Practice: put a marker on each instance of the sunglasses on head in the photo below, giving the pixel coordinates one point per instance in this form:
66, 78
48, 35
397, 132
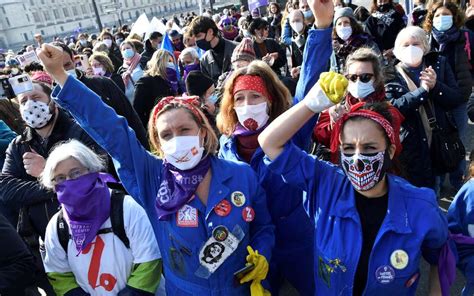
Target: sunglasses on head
365, 77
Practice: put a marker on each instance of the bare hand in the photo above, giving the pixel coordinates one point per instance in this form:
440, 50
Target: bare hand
323, 11
336, 112
295, 72
469, 12
33, 163
52, 58
428, 78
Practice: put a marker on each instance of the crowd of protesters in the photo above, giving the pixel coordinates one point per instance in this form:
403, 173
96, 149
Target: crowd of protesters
305, 145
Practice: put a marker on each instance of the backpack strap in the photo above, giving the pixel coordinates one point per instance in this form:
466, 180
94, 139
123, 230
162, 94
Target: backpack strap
116, 216
63, 231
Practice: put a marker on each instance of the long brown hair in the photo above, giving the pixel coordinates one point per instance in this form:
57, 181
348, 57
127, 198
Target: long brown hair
281, 97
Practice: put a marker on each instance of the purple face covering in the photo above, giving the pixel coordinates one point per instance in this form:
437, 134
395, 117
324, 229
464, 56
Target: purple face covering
242, 131
172, 78
86, 203
189, 68
178, 187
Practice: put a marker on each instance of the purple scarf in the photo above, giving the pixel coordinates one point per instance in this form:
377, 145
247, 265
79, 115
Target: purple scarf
189, 68
172, 79
178, 187
447, 262
86, 204
446, 37
242, 131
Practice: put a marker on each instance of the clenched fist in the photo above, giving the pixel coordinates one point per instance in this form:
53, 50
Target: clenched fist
33, 163
52, 58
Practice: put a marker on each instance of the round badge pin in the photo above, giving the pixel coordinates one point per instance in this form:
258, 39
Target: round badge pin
248, 214
238, 198
220, 233
385, 274
223, 208
399, 259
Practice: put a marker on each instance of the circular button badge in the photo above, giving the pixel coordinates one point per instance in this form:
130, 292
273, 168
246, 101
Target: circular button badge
220, 233
385, 274
238, 198
399, 259
223, 208
248, 214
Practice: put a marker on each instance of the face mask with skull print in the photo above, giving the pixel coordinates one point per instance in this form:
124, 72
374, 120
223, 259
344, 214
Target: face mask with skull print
365, 170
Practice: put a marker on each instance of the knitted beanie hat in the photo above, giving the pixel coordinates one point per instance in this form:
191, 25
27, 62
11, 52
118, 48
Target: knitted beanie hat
244, 51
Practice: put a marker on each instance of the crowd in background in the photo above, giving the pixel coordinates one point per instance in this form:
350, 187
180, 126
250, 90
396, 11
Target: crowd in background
306, 143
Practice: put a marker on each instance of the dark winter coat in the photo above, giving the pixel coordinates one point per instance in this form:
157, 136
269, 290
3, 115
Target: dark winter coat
444, 96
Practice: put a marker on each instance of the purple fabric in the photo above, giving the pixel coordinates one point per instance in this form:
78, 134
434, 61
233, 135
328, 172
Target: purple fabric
172, 78
86, 204
242, 131
189, 68
178, 187
447, 261
253, 4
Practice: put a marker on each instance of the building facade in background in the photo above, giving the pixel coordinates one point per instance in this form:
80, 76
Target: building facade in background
21, 20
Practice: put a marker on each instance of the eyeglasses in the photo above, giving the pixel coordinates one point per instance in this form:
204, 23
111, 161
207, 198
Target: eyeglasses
365, 77
72, 175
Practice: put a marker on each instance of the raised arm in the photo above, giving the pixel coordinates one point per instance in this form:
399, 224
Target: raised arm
138, 170
327, 92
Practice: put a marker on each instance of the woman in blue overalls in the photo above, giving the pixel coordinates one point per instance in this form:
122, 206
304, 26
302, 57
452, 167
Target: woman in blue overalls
370, 227
253, 97
241, 119
461, 224
204, 211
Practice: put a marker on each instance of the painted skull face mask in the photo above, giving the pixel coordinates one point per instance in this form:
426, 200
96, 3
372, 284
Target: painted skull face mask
365, 170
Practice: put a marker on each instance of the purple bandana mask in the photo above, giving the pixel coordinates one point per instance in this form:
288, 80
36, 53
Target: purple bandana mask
86, 204
178, 187
172, 78
189, 68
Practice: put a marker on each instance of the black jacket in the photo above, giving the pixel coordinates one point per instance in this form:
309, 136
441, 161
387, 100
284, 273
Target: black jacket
17, 264
20, 190
384, 27
459, 62
272, 46
116, 99
470, 107
444, 96
148, 91
118, 80
115, 56
147, 54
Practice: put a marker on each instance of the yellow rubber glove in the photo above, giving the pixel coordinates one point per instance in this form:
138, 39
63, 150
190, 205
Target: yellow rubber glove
334, 85
258, 274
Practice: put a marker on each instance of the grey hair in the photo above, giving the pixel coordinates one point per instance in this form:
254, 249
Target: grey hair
71, 149
412, 32
189, 51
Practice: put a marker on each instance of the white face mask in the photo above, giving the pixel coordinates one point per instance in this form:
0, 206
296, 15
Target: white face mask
183, 152
99, 71
344, 32
252, 117
297, 26
36, 114
360, 89
410, 55
108, 42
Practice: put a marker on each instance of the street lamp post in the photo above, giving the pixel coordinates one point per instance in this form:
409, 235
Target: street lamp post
97, 16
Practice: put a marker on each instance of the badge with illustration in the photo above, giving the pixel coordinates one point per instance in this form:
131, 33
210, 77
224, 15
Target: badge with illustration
238, 198
399, 259
223, 208
187, 216
326, 268
217, 249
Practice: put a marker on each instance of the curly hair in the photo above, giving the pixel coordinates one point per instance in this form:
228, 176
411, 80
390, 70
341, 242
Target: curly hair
458, 15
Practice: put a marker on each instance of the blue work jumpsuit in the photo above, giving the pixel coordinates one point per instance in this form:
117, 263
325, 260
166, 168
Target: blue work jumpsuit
294, 232
141, 173
413, 225
461, 220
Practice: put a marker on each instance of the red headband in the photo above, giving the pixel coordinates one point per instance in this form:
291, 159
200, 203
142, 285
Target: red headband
392, 130
190, 103
251, 82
